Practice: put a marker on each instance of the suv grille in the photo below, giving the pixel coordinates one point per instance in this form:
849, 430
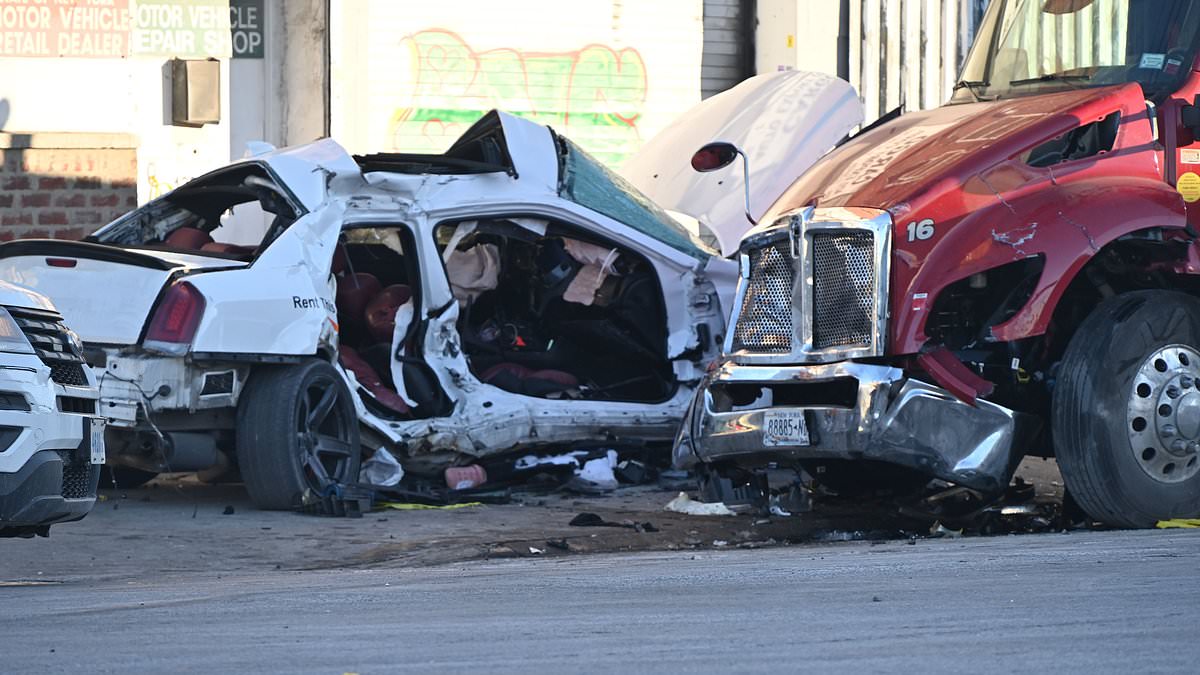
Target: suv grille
48, 336
764, 321
79, 478
844, 309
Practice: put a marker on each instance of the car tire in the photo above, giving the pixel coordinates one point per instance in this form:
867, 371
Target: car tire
292, 437
1126, 410
124, 477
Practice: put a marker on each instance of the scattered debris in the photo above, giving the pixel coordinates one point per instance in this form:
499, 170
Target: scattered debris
1179, 523
407, 506
1018, 510
593, 520
560, 544
939, 530
596, 475
682, 503
758, 544
840, 535
536, 551
633, 472
382, 469
465, 477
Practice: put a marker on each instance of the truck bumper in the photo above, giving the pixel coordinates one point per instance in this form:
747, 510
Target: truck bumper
853, 411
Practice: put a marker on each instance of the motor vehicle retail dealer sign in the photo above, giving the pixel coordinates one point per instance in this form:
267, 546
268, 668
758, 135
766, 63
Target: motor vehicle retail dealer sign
123, 28
52, 28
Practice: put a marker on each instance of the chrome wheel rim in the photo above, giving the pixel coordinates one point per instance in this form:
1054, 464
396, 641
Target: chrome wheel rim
1163, 420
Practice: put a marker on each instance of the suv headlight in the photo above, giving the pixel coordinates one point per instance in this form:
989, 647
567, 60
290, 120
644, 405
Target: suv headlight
12, 338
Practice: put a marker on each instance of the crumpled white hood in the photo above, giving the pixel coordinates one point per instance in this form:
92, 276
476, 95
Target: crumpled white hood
784, 122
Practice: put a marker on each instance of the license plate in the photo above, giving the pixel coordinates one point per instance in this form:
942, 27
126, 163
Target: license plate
97, 440
784, 427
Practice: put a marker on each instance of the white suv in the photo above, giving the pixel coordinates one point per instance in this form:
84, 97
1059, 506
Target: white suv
51, 438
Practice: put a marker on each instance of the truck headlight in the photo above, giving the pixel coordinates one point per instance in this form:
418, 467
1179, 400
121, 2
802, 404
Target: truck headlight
12, 338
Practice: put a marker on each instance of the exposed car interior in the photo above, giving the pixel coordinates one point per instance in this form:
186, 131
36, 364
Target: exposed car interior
378, 308
546, 311
233, 214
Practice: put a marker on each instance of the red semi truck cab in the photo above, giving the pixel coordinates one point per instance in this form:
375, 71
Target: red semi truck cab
1016, 272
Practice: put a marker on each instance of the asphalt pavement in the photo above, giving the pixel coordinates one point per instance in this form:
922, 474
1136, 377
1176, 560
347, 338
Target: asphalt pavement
1081, 602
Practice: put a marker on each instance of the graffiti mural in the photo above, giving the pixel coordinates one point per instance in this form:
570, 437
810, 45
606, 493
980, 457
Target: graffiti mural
594, 95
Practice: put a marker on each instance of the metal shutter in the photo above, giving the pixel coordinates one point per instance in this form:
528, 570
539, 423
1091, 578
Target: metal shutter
908, 50
728, 46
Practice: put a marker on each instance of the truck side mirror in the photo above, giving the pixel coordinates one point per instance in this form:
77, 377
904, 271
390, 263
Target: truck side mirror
719, 155
1189, 116
714, 156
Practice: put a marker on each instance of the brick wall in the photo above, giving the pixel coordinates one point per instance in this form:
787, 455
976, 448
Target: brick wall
64, 185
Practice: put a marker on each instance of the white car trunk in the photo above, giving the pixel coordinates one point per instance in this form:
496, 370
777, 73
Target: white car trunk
105, 297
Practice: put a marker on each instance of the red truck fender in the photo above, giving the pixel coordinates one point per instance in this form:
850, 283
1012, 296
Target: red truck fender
1066, 224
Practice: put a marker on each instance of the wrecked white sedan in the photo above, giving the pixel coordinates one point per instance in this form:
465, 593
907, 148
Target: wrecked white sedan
302, 304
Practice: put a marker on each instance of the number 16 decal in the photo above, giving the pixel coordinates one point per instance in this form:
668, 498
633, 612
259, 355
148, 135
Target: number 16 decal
920, 231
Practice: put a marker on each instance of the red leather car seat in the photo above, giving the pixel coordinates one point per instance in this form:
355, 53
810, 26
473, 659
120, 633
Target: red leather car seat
521, 379
188, 239
353, 294
369, 379
381, 311
230, 249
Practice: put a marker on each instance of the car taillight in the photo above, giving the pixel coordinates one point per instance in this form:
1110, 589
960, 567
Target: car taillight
174, 324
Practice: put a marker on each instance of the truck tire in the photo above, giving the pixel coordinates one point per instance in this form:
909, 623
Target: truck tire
1126, 410
297, 429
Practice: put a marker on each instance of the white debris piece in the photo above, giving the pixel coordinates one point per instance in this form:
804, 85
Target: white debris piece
382, 469
531, 461
596, 475
600, 470
682, 503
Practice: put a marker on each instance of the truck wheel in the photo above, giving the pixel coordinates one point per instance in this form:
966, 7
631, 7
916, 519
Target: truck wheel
1126, 410
296, 429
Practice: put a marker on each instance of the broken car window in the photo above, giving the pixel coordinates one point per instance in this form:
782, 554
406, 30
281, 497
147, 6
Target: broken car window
587, 182
229, 214
544, 312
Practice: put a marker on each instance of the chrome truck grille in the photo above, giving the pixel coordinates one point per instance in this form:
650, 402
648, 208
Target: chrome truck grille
843, 289
765, 316
814, 288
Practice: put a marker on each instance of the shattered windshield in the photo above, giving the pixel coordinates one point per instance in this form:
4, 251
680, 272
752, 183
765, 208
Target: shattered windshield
1034, 46
589, 183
